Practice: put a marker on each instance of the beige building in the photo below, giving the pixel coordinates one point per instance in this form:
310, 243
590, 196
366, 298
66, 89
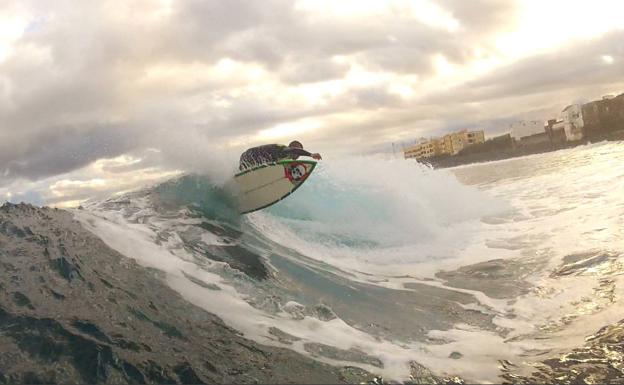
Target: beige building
425, 149
455, 142
449, 144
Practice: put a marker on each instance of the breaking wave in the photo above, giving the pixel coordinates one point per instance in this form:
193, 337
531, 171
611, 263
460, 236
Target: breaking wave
381, 263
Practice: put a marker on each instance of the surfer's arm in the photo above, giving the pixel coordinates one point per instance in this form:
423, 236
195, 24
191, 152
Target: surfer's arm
288, 151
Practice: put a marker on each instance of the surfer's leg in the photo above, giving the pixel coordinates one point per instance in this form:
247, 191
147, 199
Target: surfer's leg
251, 158
247, 159
260, 157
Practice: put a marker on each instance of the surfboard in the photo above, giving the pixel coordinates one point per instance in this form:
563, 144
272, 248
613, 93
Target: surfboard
265, 185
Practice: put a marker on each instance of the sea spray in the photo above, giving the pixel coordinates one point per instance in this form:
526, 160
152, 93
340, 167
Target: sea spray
370, 210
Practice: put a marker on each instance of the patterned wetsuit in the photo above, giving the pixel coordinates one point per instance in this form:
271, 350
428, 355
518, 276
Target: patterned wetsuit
269, 153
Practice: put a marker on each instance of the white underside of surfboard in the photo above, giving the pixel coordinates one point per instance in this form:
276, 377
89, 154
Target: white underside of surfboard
266, 185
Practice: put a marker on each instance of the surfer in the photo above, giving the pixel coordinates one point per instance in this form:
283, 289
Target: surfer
271, 153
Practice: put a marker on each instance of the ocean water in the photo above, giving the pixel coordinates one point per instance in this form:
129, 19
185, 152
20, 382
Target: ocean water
483, 271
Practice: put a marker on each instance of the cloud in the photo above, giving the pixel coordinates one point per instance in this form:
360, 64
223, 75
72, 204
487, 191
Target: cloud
56, 150
578, 65
196, 82
538, 87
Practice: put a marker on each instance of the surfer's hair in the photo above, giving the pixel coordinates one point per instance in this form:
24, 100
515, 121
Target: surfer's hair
295, 143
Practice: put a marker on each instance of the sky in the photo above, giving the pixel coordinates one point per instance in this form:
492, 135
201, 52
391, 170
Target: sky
98, 97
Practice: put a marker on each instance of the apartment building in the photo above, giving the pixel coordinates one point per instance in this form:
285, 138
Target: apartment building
425, 149
449, 144
453, 143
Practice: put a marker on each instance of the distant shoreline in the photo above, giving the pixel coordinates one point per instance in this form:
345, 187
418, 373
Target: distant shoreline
517, 152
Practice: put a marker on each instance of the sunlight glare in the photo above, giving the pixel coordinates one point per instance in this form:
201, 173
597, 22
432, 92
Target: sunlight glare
11, 29
544, 25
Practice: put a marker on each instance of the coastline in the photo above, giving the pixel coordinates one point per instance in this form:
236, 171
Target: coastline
516, 152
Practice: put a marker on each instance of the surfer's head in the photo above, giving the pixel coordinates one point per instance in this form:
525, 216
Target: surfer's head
296, 144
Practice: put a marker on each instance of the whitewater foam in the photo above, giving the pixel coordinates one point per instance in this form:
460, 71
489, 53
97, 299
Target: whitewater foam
393, 224
380, 216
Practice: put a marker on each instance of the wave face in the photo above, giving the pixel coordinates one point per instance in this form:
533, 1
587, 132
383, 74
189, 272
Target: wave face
394, 267
377, 212
367, 202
